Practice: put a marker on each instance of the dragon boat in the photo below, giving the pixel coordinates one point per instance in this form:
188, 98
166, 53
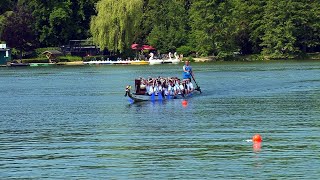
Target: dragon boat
140, 94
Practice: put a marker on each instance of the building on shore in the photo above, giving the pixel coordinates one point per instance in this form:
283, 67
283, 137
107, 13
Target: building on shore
5, 54
80, 48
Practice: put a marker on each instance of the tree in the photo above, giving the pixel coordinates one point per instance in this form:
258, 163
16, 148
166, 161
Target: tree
246, 16
227, 29
6, 5
18, 30
307, 21
116, 23
3, 19
5, 11
58, 22
254, 14
213, 27
202, 15
167, 23
279, 39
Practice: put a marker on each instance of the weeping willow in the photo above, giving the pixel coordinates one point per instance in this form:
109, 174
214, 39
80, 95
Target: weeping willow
115, 24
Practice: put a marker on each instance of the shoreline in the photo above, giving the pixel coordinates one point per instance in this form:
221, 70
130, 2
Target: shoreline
255, 57
207, 59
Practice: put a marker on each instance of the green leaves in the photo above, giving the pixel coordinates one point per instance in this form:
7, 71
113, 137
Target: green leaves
116, 23
18, 30
58, 22
274, 28
167, 24
279, 37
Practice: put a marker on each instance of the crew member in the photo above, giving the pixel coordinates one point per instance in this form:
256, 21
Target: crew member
187, 71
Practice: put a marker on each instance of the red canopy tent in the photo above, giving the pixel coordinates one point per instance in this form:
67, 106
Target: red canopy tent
143, 47
148, 47
135, 47
138, 47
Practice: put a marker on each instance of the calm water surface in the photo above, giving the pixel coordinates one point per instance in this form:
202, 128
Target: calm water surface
75, 123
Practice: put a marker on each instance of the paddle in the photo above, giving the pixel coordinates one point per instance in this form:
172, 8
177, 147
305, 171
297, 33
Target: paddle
198, 87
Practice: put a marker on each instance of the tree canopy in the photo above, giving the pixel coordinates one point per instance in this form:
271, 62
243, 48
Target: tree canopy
116, 23
18, 30
273, 28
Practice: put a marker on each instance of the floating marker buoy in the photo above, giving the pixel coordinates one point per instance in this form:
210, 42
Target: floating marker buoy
184, 103
256, 138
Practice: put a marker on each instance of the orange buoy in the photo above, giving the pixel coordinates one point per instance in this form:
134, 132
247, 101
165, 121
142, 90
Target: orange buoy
184, 103
256, 138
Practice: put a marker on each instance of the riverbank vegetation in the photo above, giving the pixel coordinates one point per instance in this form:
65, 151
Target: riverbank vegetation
269, 29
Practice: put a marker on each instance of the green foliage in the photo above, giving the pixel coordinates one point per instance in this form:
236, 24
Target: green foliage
7, 5
116, 23
279, 40
166, 22
185, 50
202, 16
15, 52
18, 30
3, 20
307, 25
69, 58
273, 28
189, 58
58, 22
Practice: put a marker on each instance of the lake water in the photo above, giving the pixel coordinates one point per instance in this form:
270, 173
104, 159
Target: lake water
75, 123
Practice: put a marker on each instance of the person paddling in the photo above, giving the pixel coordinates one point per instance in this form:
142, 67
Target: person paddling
187, 71
188, 74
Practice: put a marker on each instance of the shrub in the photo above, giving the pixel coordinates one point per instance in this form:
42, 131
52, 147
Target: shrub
189, 58
185, 50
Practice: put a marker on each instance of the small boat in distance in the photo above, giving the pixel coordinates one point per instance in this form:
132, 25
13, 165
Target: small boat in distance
172, 61
14, 64
169, 60
153, 61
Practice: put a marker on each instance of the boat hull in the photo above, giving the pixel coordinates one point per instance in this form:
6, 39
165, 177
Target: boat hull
174, 61
19, 64
141, 98
97, 62
155, 61
115, 62
139, 62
